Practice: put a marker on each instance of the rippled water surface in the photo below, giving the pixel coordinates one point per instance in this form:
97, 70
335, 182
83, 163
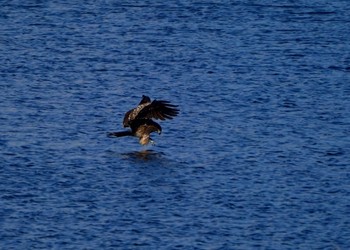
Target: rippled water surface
258, 158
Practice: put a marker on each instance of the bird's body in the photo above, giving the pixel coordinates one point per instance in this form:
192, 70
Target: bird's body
140, 121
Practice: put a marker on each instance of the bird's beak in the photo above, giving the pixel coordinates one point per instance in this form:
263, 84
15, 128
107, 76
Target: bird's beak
159, 132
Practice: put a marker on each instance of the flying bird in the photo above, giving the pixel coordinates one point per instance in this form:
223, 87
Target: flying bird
140, 121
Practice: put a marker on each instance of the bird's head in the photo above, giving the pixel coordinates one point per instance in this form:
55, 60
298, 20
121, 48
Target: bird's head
159, 131
145, 99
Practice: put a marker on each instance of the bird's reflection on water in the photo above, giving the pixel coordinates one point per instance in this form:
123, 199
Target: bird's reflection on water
145, 155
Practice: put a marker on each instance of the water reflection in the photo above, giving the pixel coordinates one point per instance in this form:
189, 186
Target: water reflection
144, 155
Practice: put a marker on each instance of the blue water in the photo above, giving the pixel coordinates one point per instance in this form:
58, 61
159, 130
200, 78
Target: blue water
259, 157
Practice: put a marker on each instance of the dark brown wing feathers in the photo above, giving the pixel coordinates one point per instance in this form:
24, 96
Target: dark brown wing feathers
150, 110
158, 110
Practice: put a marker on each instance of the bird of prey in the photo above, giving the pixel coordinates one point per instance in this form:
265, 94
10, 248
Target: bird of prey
140, 121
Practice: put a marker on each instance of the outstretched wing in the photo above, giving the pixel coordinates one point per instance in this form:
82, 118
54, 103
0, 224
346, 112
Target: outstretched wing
150, 110
158, 110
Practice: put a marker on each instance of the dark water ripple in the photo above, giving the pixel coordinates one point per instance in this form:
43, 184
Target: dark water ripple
258, 158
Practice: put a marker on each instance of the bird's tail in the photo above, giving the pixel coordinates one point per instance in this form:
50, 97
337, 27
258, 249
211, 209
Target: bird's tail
119, 134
